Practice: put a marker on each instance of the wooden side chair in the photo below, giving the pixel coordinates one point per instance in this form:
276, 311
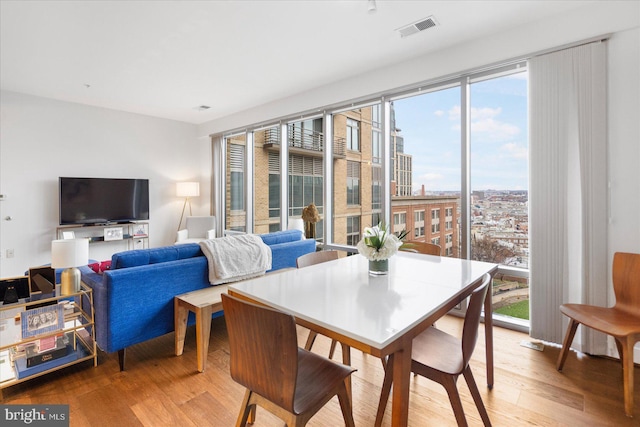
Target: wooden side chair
288, 381
307, 260
442, 358
622, 321
422, 248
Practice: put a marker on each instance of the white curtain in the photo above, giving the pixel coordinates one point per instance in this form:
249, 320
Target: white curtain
569, 198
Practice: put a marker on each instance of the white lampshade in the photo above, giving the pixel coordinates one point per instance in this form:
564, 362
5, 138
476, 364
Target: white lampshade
296, 224
69, 253
188, 189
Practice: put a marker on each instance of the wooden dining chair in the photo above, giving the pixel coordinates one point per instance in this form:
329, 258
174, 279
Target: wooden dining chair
307, 260
288, 381
622, 321
422, 248
314, 258
442, 358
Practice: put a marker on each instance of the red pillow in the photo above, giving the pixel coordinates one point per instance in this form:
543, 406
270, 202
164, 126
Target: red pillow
100, 267
95, 267
105, 265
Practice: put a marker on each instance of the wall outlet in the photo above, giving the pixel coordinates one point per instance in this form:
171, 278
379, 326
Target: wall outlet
10, 253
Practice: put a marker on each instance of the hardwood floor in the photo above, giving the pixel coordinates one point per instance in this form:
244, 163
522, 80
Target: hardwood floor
160, 389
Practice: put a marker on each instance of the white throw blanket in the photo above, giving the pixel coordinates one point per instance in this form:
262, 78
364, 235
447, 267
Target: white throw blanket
236, 258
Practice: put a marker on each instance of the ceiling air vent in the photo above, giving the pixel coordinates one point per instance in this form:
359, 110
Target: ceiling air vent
418, 26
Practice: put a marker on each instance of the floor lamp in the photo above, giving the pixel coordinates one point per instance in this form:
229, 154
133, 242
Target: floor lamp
187, 190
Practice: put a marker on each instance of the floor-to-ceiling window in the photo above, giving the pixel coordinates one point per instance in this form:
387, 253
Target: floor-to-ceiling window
499, 178
450, 158
430, 128
235, 208
426, 148
357, 172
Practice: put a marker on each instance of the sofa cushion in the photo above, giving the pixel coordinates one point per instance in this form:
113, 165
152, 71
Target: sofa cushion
188, 251
129, 259
140, 257
281, 237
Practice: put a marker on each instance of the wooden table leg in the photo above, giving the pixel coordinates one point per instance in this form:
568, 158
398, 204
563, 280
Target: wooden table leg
401, 381
180, 324
346, 359
488, 334
203, 331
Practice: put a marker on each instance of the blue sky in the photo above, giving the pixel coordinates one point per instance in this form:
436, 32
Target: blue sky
430, 125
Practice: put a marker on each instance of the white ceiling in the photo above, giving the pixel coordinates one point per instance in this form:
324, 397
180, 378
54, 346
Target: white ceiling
165, 58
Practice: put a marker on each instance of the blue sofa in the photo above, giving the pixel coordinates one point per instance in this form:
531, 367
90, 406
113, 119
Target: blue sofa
133, 300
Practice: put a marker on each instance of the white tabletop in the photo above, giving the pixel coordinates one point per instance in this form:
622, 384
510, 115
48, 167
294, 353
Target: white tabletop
341, 295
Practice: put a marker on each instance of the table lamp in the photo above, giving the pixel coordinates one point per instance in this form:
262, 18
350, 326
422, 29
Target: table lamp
296, 224
69, 254
187, 190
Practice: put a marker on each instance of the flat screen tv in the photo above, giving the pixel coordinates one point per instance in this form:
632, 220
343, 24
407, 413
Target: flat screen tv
87, 201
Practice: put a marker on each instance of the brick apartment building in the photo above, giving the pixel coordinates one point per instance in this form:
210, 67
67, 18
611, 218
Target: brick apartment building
357, 181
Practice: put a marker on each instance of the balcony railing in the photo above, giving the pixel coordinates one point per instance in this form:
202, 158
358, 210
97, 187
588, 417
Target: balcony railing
304, 139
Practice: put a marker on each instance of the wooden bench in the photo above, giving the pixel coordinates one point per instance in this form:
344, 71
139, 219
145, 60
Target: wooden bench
203, 303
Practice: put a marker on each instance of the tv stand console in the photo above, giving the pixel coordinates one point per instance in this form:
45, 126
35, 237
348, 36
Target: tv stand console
136, 234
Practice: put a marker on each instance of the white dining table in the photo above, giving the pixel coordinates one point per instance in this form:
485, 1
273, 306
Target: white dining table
379, 315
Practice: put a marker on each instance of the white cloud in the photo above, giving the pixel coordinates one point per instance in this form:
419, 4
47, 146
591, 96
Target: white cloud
484, 113
484, 123
514, 150
494, 129
454, 113
439, 113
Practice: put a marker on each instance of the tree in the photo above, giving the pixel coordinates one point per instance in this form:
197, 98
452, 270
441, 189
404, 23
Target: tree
490, 250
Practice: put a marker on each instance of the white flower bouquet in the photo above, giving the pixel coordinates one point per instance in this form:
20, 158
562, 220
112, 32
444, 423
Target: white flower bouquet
378, 244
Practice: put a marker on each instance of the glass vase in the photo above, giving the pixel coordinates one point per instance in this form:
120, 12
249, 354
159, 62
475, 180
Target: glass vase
379, 267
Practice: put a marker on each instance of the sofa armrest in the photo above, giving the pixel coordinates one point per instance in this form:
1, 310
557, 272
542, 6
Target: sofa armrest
182, 235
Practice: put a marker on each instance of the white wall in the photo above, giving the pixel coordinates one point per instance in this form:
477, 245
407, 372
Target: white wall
43, 139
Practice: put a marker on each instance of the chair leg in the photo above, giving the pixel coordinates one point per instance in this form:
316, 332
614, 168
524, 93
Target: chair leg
345, 406
310, 340
566, 344
627, 344
473, 388
245, 410
333, 348
386, 390
449, 383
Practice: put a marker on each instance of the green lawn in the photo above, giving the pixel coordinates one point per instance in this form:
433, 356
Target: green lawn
519, 310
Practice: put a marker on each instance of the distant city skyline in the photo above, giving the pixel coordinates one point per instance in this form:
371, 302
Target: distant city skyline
430, 126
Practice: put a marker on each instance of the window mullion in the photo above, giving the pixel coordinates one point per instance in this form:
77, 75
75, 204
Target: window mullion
327, 179
465, 170
249, 182
284, 177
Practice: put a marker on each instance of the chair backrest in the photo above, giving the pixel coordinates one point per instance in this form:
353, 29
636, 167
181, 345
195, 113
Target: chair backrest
422, 248
472, 319
316, 258
626, 281
198, 226
263, 350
